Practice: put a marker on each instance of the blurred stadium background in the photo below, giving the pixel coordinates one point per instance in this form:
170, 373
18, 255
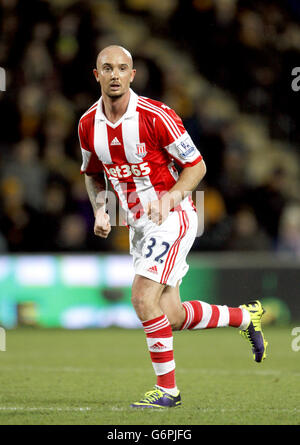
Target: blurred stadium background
225, 66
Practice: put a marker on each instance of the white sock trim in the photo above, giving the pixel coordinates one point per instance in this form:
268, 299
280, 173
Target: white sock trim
246, 319
173, 391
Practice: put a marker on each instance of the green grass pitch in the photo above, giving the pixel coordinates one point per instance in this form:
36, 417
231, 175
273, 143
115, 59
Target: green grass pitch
90, 377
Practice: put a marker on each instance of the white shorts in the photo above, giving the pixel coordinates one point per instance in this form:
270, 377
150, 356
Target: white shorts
159, 252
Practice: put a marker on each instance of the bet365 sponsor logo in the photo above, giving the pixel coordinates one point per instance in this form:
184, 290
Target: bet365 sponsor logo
2, 79
296, 341
2, 339
127, 170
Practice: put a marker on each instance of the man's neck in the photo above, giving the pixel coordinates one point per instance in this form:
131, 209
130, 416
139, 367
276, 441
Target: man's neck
115, 108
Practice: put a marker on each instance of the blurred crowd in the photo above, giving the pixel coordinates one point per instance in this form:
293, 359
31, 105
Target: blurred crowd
223, 65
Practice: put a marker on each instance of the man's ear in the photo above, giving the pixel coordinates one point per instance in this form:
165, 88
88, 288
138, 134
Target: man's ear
132, 75
96, 74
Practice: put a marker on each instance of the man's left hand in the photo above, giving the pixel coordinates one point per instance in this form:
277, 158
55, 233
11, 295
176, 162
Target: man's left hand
158, 210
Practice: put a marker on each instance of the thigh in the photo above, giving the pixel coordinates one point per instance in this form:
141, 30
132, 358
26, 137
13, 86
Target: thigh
144, 287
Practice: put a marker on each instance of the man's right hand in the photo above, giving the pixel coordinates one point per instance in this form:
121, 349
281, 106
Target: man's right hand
102, 225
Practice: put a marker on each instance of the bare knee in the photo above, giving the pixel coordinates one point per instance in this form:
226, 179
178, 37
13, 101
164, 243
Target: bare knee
145, 298
141, 306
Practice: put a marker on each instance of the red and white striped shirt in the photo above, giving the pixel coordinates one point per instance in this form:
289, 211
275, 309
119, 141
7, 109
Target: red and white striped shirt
138, 151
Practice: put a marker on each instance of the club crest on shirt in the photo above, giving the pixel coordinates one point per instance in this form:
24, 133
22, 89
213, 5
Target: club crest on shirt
141, 149
186, 148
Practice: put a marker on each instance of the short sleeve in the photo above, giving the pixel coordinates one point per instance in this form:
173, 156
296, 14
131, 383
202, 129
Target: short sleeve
174, 138
90, 162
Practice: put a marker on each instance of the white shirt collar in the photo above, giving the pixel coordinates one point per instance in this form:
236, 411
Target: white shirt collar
131, 109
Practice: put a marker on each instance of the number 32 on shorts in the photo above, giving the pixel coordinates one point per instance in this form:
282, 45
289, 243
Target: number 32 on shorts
162, 249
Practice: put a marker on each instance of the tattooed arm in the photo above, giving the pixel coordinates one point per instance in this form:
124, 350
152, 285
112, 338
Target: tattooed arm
96, 189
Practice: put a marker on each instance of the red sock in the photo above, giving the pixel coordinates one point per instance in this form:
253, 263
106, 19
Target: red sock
160, 344
201, 315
